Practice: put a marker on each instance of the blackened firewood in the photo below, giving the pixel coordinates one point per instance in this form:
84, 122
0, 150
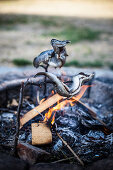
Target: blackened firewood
31, 153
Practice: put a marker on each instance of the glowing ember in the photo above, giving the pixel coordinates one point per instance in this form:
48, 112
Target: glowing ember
72, 101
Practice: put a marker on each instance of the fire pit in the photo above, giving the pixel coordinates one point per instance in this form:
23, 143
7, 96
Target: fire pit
78, 128
68, 117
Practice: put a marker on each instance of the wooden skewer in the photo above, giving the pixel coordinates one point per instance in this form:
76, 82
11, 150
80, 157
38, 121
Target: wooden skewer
62, 160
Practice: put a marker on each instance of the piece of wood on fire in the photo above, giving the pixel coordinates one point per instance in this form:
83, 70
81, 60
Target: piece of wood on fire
31, 153
40, 108
41, 134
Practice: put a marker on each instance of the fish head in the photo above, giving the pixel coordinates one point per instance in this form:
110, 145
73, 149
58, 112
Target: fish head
83, 77
58, 43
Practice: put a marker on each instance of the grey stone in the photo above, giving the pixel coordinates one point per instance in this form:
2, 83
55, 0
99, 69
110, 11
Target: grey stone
102, 92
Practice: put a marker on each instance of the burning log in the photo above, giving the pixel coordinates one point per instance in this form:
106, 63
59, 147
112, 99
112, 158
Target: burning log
54, 99
43, 106
41, 134
31, 153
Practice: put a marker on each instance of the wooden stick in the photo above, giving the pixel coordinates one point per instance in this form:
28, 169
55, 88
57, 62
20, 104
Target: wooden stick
40, 108
75, 155
18, 117
93, 114
105, 129
11, 84
16, 83
62, 160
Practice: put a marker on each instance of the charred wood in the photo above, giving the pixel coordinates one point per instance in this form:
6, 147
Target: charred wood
31, 153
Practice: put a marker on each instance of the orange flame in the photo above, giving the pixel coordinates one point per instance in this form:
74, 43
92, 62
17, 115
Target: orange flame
52, 92
62, 104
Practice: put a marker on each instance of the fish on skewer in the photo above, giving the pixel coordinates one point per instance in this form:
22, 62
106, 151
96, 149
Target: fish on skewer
55, 57
62, 89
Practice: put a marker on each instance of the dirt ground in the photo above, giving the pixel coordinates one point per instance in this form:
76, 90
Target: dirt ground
27, 40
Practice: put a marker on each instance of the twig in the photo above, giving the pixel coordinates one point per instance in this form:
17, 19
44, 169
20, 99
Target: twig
18, 117
65, 143
62, 160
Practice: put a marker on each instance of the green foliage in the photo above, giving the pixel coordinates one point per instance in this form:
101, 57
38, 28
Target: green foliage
76, 34
96, 63
13, 19
49, 21
73, 63
68, 30
9, 20
76, 63
21, 62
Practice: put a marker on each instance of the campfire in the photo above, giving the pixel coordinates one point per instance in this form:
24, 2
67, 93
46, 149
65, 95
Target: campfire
59, 125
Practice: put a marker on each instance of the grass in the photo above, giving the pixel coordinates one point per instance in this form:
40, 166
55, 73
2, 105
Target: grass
9, 20
21, 62
88, 51
13, 19
76, 63
68, 30
49, 21
75, 34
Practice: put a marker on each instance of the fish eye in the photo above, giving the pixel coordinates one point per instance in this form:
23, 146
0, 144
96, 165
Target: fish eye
81, 73
53, 39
